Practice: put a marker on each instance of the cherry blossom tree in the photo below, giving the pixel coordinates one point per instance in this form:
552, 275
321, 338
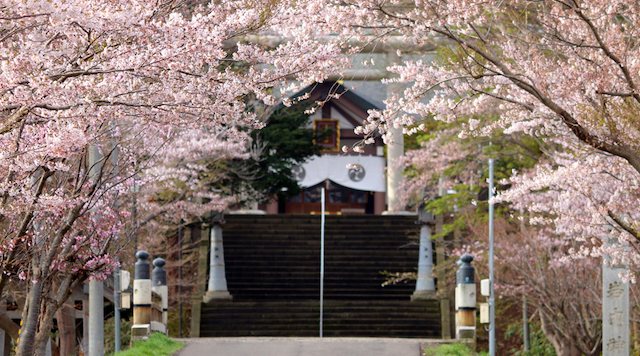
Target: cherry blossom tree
564, 293
102, 98
564, 72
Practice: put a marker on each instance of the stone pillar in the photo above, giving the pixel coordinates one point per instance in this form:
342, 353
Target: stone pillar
96, 288
217, 286
142, 290
395, 150
394, 173
615, 311
96, 318
425, 284
465, 299
159, 282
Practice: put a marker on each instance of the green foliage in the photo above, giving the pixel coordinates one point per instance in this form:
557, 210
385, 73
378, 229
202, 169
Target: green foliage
538, 343
173, 324
288, 143
633, 339
285, 143
510, 152
109, 334
451, 350
157, 345
412, 142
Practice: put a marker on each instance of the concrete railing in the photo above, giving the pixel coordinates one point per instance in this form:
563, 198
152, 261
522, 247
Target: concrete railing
465, 299
150, 297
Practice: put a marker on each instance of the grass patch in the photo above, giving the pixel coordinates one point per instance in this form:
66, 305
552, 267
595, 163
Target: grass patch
451, 350
157, 345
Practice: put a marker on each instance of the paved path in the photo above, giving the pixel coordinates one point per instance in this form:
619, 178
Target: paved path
297, 346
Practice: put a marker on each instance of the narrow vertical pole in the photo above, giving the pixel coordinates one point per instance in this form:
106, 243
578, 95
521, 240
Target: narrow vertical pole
134, 215
116, 305
492, 306
525, 323
322, 203
116, 275
96, 288
180, 279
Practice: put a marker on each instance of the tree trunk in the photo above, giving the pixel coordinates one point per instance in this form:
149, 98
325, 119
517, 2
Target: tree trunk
44, 329
564, 346
26, 343
67, 329
55, 351
568, 348
11, 333
10, 327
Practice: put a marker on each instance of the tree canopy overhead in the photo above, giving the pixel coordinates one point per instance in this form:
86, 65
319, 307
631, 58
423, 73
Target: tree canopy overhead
563, 72
162, 86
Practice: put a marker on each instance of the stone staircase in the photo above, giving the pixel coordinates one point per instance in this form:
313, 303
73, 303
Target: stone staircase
273, 272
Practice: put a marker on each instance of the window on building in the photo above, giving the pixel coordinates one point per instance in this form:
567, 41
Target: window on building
331, 141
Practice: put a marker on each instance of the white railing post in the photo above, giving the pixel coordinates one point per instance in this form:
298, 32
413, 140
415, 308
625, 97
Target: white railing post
465, 299
159, 280
141, 297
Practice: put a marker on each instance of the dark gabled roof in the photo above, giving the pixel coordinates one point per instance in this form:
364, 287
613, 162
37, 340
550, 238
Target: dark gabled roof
322, 91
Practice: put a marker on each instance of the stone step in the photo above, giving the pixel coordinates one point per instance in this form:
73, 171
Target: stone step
329, 304
272, 297
366, 318
303, 218
410, 333
292, 229
257, 317
358, 255
273, 266
330, 244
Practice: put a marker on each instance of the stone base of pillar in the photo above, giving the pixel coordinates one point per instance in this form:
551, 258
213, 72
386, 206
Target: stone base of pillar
466, 332
400, 212
212, 296
423, 295
247, 212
